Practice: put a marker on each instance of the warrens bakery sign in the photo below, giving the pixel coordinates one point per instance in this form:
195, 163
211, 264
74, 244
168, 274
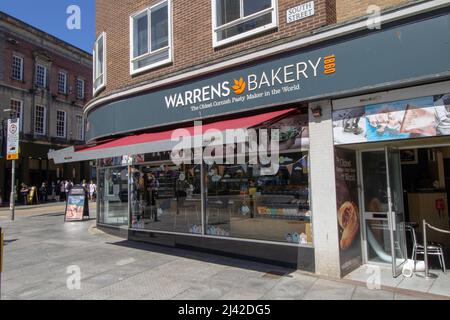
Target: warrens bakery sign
252, 86
372, 59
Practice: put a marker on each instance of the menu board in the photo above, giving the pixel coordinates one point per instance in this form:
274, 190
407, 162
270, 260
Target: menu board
77, 207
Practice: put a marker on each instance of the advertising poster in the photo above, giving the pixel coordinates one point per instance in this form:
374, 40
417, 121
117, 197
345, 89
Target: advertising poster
76, 207
348, 210
414, 118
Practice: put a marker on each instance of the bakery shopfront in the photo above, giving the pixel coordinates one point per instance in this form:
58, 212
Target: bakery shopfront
297, 201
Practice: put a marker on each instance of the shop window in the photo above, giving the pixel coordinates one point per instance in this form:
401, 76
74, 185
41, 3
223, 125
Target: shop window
113, 196
41, 76
243, 203
151, 38
237, 19
99, 63
17, 68
166, 198
40, 120
62, 82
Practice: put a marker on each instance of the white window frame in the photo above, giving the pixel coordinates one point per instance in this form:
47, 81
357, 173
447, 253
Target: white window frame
15, 56
64, 73
80, 129
95, 75
38, 65
217, 43
83, 92
20, 112
65, 124
169, 48
44, 124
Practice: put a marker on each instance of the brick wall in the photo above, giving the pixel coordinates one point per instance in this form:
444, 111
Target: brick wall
192, 36
349, 9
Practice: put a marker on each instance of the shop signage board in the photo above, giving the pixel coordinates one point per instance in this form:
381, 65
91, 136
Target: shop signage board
12, 145
405, 119
300, 12
373, 59
77, 206
349, 214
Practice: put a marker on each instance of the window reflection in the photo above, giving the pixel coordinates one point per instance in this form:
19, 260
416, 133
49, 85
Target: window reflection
113, 196
166, 197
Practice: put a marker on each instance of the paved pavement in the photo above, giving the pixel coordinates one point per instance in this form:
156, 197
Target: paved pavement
41, 249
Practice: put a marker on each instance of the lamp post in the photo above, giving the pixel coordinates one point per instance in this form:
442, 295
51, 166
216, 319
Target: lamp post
12, 198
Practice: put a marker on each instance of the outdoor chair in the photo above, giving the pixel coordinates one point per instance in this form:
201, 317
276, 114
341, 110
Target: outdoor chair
433, 249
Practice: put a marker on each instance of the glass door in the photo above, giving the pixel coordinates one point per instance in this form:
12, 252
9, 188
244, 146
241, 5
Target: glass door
382, 196
396, 210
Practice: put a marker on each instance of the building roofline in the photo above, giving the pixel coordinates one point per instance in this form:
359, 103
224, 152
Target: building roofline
41, 33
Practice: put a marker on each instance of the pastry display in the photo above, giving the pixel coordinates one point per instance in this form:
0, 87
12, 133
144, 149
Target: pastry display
348, 217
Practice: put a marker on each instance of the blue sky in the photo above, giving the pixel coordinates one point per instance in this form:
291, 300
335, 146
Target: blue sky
50, 16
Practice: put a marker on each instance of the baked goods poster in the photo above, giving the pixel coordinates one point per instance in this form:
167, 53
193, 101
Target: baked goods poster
75, 208
413, 118
348, 210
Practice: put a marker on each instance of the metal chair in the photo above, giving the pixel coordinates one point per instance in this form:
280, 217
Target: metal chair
433, 249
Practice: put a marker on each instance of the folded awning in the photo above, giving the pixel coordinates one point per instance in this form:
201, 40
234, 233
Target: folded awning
154, 142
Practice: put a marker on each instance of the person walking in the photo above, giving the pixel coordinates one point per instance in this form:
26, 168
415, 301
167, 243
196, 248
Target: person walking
62, 188
43, 193
24, 192
92, 190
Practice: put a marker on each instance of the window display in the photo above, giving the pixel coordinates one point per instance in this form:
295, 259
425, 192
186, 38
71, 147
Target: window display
166, 197
243, 203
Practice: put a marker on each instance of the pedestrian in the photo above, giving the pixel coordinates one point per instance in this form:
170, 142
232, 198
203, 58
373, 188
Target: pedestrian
43, 192
92, 190
58, 191
24, 192
62, 188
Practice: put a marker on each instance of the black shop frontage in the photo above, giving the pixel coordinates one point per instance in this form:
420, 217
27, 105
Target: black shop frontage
305, 212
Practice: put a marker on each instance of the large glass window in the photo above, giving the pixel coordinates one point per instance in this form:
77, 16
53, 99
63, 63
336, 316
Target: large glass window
17, 109
41, 76
40, 120
113, 196
61, 118
243, 203
237, 19
166, 198
62, 82
151, 32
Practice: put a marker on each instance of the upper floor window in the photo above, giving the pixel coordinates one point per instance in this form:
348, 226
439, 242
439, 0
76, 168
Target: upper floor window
151, 37
41, 76
99, 62
17, 109
61, 124
17, 68
237, 19
80, 127
62, 82
40, 120
80, 89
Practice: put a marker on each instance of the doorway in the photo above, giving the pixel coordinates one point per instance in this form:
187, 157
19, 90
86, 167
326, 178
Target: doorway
400, 189
383, 208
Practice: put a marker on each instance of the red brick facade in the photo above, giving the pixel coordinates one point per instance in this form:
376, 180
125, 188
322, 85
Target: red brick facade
192, 36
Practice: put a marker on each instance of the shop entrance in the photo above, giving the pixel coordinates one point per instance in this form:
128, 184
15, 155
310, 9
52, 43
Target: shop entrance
383, 209
399, 189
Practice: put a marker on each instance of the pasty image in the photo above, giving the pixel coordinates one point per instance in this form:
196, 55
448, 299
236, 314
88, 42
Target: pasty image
348, 216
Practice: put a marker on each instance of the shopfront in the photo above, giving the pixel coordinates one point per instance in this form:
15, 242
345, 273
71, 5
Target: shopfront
336, 145
397, 147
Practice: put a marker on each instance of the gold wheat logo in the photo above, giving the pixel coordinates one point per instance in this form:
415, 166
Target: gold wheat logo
239, 86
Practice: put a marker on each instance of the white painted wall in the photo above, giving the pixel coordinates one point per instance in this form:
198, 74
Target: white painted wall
323, 188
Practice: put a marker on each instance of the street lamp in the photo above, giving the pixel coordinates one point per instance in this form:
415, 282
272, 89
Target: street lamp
12, 202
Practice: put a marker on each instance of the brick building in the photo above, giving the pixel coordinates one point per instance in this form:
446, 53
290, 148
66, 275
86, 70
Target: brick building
344, 83
47, 82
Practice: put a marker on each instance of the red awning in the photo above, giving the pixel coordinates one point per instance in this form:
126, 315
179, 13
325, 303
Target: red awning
155, 142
